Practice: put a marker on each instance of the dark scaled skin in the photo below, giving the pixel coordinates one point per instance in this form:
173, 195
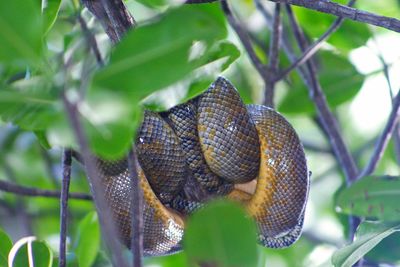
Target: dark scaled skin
227, 134
205, 148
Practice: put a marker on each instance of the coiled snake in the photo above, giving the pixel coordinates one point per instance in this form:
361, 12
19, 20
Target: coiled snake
208, 147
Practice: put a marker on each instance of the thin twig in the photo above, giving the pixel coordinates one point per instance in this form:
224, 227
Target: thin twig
384, 138
244, 38
66, 167
36, 192
103, 210
312, 49
326, 6
91, 40
273, 57
137, 211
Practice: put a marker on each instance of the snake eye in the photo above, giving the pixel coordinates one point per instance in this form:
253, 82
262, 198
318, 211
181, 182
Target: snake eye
227, 133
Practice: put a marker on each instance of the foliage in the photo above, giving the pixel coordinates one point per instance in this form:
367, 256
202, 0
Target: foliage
172, 56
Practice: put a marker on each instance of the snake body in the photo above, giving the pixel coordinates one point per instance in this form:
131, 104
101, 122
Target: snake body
205, 148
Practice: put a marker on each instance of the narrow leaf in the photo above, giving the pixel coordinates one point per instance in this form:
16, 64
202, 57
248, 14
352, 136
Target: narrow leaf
368, 235
88, 242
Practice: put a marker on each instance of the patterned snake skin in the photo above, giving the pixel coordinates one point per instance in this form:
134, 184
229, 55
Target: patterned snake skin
209, 147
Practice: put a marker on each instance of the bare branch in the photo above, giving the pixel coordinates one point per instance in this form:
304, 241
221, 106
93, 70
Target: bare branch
326, 6
36, 192
384, 138
137, 211
66, 166
312, 49
103, 210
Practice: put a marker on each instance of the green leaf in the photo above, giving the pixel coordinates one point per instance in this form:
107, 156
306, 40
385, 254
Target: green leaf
5, 247
222, 50
156, 55
88, 242
368, 235
50, 11
339, 79
372, 196
221, 234
178, 259
386, 251
29, 248
20, 32
32, 109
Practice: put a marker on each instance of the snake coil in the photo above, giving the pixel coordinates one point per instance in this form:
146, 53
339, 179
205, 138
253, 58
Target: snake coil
213, 145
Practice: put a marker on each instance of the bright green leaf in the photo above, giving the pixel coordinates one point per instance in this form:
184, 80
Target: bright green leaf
156, 55
50, 11
88, 240
368, 235
5, 247
372, 196
339, 79
29, 248
20, 32
221, 234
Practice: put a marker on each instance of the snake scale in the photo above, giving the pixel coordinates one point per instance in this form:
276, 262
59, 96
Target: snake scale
212, 146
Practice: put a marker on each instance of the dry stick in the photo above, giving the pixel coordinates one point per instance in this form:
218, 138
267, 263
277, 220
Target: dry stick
273, 57
66, 173
245, 39
36, 192
339, 10
327, 119
137, 210
103, 210
384, 138
312, 49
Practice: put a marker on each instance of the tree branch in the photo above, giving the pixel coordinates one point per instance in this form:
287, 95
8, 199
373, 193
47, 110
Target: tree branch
113, 15
137, 211
36, 192
103, 210
66, 166
326, 6
312, 49
384, 138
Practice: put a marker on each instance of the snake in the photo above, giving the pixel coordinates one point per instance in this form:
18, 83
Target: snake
212, 146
